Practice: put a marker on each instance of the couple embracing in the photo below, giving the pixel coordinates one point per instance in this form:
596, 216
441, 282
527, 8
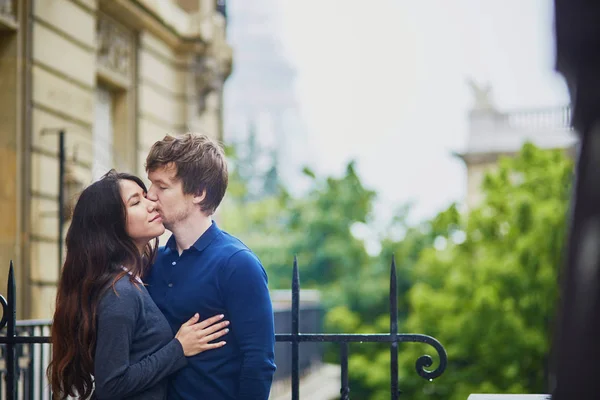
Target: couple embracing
189, 320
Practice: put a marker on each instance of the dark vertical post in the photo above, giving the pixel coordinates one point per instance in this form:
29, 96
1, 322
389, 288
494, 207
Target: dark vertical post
577, 348
394, 332
61, 195
30, 367
295, 329
42, 369
345, 391
11, 360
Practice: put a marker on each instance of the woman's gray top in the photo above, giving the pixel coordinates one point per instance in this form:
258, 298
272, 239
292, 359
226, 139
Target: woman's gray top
135, 349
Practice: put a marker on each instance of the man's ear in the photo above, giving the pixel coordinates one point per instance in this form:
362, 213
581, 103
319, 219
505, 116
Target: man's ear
197, 199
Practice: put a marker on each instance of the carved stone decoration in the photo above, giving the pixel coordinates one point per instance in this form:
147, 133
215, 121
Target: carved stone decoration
482, 95
7, 9
115, 46
209, 78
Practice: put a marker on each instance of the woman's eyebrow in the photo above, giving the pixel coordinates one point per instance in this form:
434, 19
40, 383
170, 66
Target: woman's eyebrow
132, 196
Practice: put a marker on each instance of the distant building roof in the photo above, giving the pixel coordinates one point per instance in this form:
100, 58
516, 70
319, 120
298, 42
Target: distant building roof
493, 132
282, 299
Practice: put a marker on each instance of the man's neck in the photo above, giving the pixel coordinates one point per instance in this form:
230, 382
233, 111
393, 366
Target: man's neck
187, 232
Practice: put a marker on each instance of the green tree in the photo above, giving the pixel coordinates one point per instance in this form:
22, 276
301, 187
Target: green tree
483, 283
259, 221
488, 287
369, 370
329, 255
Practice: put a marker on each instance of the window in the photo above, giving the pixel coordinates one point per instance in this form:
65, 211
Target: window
103, 133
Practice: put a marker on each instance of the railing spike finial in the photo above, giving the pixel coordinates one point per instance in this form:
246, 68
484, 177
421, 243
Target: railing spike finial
11, 272
11, 296
295, 269
295, 330
393, 298
394, 331
11, 356
295, 284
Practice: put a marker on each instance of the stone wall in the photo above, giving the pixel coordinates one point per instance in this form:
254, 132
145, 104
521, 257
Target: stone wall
115, 77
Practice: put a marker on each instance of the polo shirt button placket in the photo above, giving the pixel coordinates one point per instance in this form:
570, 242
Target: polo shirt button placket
170, 285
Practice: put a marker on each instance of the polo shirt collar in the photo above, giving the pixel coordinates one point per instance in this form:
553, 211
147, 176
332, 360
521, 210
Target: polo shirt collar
203, 241
171, 243
207, 237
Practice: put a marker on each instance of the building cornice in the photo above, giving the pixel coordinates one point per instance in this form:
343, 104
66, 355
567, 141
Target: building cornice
8, 16
201, 33
168, 23
476, 158
471, 158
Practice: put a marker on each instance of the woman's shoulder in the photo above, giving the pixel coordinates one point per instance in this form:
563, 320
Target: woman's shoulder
122, 292
121, 304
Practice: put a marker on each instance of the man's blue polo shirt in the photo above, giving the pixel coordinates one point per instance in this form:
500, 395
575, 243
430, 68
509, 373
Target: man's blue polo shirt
218, 275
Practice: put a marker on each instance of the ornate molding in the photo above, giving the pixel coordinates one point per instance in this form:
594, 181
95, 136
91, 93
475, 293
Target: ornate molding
209, 77
8, 15
7, 9
115, 47
482, 95
212, 68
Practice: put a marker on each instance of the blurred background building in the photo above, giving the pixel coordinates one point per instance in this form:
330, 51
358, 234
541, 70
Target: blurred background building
114, 76
263, 121
262, 115
493, 133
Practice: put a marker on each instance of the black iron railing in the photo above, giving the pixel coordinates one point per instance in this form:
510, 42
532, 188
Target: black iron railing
20, 344
26, 339
311, 355
32, 359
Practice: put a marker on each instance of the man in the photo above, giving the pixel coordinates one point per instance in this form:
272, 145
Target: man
203, 269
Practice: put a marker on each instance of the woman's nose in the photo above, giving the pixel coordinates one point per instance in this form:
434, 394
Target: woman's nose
151, 205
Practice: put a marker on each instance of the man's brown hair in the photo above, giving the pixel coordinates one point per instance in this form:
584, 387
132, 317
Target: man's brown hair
200, 165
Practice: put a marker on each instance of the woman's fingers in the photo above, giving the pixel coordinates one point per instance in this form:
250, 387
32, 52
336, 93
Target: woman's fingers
192, 320
209, 321
210, 346
216, 335
212, 328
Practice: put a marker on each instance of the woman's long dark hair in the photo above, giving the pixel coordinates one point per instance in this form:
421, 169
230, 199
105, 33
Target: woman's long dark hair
98, 246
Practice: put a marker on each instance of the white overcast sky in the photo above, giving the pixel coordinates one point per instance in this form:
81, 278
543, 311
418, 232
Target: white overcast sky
383, 82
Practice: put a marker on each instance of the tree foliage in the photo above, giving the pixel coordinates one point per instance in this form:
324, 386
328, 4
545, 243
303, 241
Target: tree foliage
482, 282
489, 289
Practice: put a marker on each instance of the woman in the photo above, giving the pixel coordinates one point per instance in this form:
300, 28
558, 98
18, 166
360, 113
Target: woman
108, 336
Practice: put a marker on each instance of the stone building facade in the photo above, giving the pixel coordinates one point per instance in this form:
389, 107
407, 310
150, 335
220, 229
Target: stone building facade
114, 76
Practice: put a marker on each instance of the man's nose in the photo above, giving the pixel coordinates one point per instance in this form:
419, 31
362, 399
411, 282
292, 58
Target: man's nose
151, 195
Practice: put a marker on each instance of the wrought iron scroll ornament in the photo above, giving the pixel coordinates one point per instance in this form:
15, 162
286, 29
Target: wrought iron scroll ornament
426, 360
344, 339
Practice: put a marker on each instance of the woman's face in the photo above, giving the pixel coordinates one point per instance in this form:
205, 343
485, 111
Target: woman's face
143, 221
